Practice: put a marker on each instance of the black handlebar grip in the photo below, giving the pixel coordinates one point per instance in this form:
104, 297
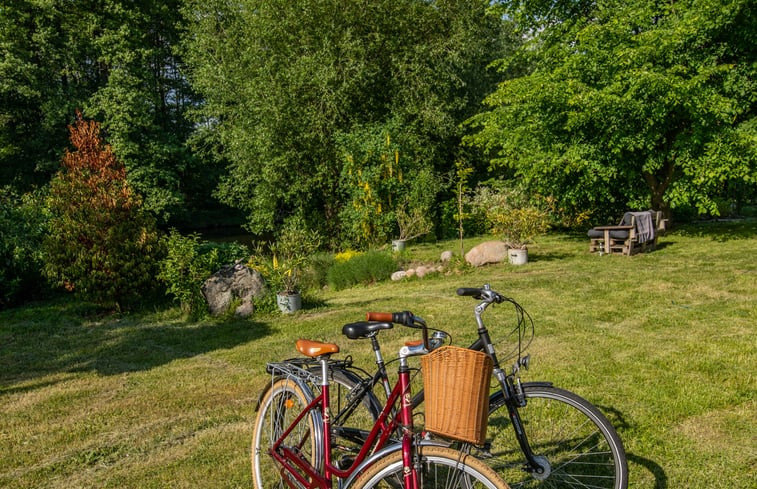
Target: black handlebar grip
469, 291
404, 317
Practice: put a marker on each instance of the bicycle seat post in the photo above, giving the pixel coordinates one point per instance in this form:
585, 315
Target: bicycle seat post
377, 349
324, 361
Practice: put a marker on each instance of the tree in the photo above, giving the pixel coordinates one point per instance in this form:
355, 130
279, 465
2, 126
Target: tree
620, 104
145, 100
117, 61
47, 69
101, 244
285, 81
22, 228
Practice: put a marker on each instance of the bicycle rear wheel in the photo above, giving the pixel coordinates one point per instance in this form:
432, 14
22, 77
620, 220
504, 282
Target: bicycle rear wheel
279, 407
354, 410
575, 441
438, 468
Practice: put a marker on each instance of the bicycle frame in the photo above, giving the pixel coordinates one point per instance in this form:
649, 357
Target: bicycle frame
295, 468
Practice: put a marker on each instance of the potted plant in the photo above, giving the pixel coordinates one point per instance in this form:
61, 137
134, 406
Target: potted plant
292, 251
511, 216
412, 224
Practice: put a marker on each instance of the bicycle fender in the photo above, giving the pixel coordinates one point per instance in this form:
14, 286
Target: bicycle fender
497, 396
300, 383
396, 447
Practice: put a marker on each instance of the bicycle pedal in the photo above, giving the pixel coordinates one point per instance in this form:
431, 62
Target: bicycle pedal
345, 462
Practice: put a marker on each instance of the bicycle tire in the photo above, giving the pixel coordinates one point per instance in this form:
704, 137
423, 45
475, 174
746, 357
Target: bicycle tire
280, 405
581, 447
440, 468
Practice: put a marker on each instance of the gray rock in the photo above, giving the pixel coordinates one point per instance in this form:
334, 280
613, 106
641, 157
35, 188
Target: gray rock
399, 275
487, 252
446, 256
233, 283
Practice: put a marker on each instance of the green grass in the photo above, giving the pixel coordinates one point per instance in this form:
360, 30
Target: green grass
663, 342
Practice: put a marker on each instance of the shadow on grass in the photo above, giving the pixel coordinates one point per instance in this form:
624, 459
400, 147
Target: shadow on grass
547, 256
620, 423
57, 338
720, 231
660, 478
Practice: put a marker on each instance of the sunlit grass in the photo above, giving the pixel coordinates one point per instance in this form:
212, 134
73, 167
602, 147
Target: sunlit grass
663, 342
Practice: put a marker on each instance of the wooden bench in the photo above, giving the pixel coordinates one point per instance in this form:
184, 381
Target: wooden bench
625, 238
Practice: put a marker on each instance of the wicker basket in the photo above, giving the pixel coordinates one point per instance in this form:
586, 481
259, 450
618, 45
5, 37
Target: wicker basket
456, 384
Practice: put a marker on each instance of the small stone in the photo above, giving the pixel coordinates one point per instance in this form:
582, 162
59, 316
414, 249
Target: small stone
446, 256
421, 271
399, 275
410, 273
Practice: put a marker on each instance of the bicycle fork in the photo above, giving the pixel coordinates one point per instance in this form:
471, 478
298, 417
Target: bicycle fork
514, 399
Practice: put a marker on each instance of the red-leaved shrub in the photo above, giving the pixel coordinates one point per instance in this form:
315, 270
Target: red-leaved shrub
102, 245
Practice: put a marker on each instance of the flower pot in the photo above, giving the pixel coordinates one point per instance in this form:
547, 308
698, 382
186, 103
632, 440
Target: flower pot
398, 245
288, 303
517, 256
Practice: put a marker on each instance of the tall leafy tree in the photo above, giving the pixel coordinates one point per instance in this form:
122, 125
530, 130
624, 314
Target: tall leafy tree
47, 69
114, 59
145, 100
617, 104
284, 81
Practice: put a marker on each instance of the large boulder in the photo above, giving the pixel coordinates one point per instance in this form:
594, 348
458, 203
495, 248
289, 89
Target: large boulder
487, 252
237, 282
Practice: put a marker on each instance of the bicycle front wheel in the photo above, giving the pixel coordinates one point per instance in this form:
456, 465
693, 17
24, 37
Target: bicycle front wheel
278, 409
571, 438
437, 467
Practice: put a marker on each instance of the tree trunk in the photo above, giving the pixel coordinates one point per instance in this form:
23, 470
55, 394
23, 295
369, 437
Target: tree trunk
658, 183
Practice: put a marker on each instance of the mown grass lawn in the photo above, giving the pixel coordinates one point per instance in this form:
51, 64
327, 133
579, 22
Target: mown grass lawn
663, 342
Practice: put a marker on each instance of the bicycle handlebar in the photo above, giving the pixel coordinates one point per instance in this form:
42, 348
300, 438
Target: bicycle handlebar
405, 318
485, 294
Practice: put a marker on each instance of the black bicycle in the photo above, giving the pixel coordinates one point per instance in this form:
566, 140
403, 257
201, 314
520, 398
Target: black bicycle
538, 435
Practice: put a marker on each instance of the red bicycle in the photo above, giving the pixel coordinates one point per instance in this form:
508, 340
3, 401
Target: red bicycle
292, 445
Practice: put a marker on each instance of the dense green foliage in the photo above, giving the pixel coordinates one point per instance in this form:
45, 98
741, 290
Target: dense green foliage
313, 73
361, 268
614, 104
101, 243
380, 185
22, 227
116, 61
188, 263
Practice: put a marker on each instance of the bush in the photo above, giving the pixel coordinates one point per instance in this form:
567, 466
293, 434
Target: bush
363, 268
292, 251
102, 245
23, 222
510, 214
189, 262
317, 273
